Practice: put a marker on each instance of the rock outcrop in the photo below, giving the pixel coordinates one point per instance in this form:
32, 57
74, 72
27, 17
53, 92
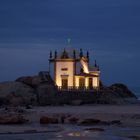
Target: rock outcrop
16, 93
31, 81
41, 90
122, 90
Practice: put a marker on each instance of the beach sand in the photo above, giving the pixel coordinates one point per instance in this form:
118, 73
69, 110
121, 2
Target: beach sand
128, 115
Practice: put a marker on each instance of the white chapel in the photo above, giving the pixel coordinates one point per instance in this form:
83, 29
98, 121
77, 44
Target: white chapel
71, 70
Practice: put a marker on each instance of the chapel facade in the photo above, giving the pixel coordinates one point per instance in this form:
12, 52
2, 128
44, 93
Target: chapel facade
71, 70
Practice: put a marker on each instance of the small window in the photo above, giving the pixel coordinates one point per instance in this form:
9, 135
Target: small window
64, 69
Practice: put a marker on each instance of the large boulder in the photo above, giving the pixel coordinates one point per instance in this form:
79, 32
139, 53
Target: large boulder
46, 94
116, 94
73, 120
16, 93
48, 120
32, 81
43, 86
122, 90
14, 119
90, 121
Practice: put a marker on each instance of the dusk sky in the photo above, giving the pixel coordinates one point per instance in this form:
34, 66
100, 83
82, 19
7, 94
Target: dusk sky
109, 29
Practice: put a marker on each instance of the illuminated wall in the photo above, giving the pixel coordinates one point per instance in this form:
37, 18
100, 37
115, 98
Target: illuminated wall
64, 68
77, 81
95, 79
84, 64
86, 82
95, 82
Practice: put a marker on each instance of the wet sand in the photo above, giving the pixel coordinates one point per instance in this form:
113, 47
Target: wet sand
129, 115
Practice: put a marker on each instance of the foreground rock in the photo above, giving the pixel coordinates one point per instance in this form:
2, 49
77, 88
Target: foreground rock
90, 122
73, 120
14, 119
48, 120
95, 129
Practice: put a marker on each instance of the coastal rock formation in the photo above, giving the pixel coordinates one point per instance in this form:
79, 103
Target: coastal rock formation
46, 94
31, 81
16, 93
41, 90
122, 90
43, 87
116, 94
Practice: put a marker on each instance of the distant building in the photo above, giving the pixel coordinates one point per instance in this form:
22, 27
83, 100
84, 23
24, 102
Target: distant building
72, 70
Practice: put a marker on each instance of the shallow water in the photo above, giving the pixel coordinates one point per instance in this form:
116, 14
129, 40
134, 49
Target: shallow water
70, 132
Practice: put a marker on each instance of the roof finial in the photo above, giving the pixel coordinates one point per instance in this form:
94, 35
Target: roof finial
55, 54
81, 53
50, 54
95, 64
74, 54
88, 55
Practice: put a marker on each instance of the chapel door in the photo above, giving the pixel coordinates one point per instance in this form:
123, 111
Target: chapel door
64, 83
81, 83
90, 83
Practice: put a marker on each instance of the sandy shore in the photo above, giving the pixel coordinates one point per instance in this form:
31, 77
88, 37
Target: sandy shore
128, 115
128, 109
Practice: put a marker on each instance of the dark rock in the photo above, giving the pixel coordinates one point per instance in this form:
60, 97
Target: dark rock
15, 119
30, 80
134, 137
76, 102
41, 90
90, 122
62, 119
28, 107
116, 122
16, 93
122, 90
30, 131
46, 94
116, 94
105, 123
95, 129
48, 120
73, 120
